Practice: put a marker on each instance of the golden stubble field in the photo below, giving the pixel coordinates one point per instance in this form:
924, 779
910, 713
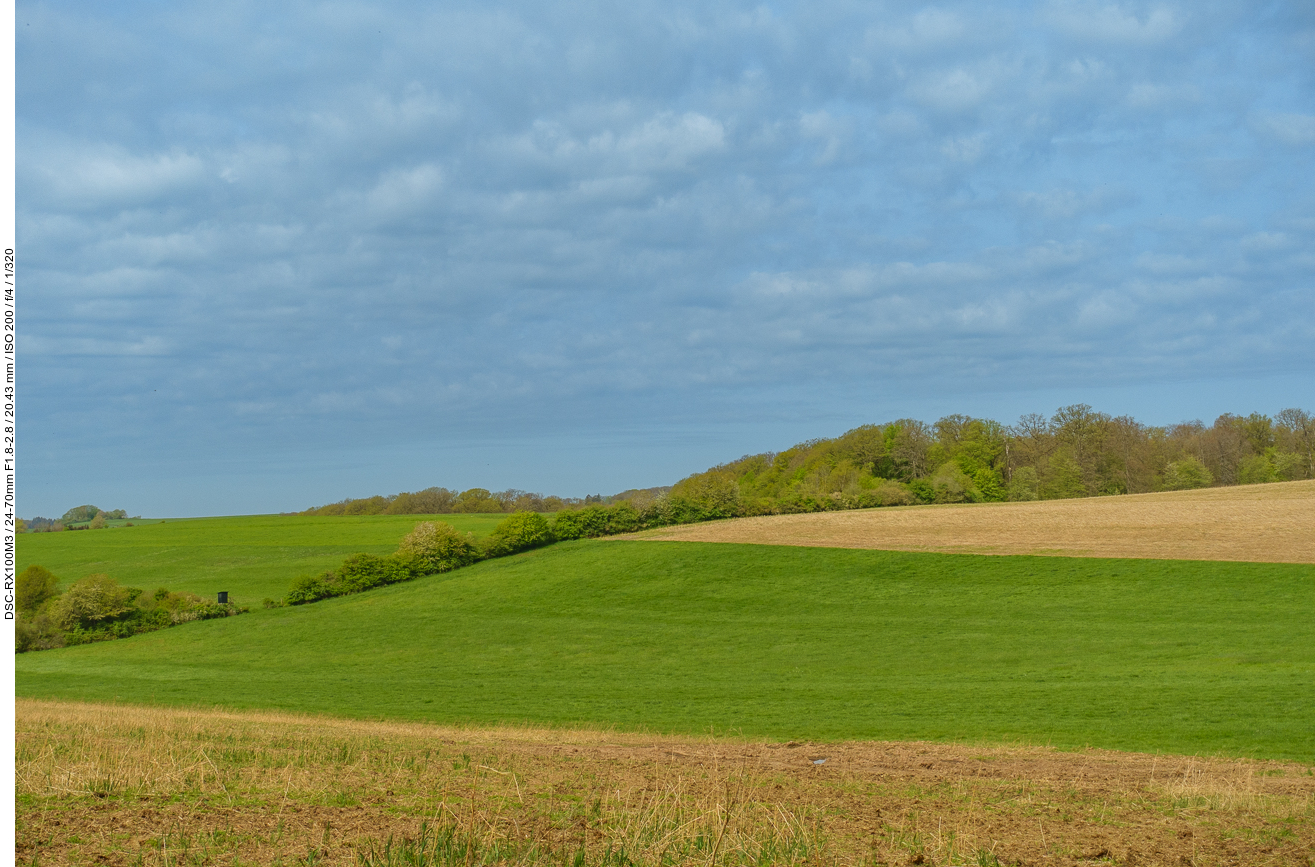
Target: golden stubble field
125, 785
1272, 523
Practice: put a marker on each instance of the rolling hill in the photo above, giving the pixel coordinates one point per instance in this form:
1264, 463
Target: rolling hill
770, 641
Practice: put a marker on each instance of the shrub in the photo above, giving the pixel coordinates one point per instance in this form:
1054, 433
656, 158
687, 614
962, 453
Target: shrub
312, 588
98, 609
363, 571
623, 518
437, 547
587, 523
98, 522
952, 485
35, 586
891, 493
922, 490
92, 601
37, 632
519, 532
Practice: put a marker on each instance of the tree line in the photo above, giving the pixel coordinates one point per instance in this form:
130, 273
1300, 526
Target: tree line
1076, 452
77, 518
441, 501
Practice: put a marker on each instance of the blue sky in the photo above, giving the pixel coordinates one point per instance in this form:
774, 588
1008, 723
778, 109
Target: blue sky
273, 255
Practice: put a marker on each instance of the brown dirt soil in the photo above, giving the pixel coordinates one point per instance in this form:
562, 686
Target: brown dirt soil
124, 785
1272, 523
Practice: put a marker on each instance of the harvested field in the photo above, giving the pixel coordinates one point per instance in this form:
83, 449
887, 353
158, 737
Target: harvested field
1272, 523
115, 784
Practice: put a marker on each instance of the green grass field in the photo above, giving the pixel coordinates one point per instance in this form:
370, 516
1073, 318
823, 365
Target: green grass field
804, 643
252, 557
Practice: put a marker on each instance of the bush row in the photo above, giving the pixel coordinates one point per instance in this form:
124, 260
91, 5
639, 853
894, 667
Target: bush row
431, 548
98, 608
434, 547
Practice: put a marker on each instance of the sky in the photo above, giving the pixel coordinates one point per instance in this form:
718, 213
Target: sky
275, 255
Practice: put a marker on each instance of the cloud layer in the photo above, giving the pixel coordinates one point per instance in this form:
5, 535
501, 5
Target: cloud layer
350, 224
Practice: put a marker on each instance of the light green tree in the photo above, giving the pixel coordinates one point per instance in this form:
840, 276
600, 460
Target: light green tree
34, 586
1186, 474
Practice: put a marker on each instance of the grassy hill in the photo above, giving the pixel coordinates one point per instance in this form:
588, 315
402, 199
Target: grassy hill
767, 641
252, 557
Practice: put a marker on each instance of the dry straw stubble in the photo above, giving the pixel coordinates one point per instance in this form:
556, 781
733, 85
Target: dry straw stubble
127, 785
1272, 523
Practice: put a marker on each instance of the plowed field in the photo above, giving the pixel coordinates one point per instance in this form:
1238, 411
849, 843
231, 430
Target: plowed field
1258, 523
120, 785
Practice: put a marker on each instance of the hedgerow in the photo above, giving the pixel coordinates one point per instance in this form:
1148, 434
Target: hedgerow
98, 608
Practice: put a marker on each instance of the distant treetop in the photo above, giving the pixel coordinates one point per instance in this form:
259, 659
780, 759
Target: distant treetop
82, 514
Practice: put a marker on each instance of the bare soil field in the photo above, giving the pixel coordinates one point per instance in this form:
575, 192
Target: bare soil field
1272, 523
121, 785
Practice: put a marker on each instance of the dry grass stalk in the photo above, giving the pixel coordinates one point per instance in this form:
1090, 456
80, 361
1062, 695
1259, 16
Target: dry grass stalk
1256, 523
127, 785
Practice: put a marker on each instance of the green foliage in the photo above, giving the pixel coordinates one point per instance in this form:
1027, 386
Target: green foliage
364, 571
433, 547
715, 494
79, 514
430, 548
92, 601
892, 493
770, 642
1076, 452
587, 523
950, 484
361, 572
922, 491
477, 500
624, 518
1063, 477
989, 485
37, 632
1024, 485
519, 532
98, 522
313, 588
97, 608
34, 587
1186, 474
596, 521
1258, 469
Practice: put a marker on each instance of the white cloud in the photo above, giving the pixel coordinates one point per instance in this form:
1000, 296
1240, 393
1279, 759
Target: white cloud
1149, 96
401, 192
965, 148
670, 141
833, 133
1290, 129
83, 175
954, 89
517, 200
1112, 23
